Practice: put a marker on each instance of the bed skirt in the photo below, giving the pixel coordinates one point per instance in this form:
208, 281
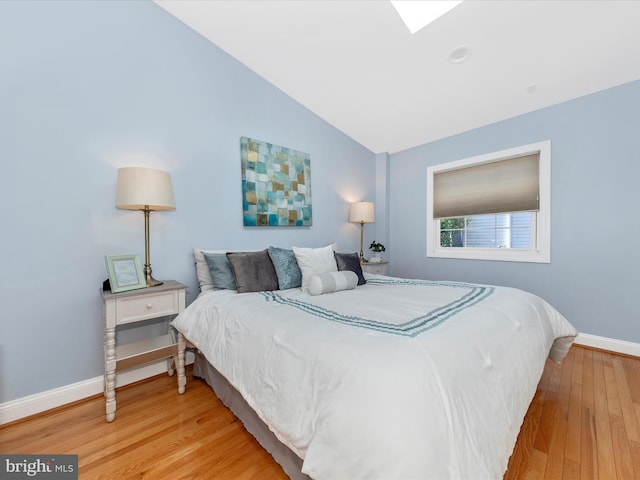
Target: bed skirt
289, 461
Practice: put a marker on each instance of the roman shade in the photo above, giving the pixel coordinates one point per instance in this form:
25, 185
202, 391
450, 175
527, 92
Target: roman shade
509, 185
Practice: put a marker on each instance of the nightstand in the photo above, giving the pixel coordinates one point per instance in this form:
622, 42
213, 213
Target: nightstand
166, 300
379, 268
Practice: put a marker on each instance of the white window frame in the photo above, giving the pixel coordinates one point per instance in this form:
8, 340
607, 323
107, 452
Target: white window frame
540, 251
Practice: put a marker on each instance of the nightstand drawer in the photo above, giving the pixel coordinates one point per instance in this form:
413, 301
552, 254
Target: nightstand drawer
134, 309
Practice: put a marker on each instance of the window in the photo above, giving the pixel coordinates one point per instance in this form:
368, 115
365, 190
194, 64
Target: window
491, 207
503, 230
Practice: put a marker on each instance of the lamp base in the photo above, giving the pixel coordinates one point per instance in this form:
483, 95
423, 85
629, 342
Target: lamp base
362, 259
151, 282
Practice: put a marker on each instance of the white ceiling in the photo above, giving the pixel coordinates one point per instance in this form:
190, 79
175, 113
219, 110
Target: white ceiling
355, 64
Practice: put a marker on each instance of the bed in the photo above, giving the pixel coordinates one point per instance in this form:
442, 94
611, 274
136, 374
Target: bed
392, 378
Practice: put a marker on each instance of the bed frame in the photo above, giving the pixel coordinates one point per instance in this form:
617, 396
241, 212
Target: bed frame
289, 461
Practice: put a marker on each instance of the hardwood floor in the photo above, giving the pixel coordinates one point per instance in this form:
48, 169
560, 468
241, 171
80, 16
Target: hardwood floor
584, 422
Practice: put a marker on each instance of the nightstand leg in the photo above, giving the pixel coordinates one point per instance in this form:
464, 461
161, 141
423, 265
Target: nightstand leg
110, 374
182, 378
171, 361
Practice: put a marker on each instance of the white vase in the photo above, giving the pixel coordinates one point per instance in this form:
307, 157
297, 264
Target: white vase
375, 258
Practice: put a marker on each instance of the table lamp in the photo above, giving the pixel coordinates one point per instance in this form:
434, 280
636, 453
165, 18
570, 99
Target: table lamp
145, 189
362, 212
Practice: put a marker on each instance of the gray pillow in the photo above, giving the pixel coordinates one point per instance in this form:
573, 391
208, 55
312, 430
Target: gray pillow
286, 266
253, 271
350, 261
220, 271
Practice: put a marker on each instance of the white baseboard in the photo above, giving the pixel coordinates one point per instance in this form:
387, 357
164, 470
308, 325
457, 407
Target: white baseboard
40, 402
610, 344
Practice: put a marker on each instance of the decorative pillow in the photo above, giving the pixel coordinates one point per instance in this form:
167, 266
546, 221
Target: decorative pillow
205, 282
332, 282
350, 261
253, 271
220, 271
286, 266
314, 261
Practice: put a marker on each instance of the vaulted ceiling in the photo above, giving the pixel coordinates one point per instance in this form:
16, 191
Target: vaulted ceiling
356, 65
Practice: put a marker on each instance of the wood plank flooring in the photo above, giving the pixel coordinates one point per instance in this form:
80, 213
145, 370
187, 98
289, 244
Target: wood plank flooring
584, 422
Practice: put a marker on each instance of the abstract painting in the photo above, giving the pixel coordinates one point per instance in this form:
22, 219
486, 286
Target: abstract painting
276, 185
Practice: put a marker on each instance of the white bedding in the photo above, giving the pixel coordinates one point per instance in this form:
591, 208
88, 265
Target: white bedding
396, 379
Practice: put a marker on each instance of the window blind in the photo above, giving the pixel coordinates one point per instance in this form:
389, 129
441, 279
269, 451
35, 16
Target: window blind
510, 185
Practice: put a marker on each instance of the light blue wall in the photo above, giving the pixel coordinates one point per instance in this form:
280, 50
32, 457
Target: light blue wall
88, 87
595, 225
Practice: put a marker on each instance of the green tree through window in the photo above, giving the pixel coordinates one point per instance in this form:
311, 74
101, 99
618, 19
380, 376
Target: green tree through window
450, 231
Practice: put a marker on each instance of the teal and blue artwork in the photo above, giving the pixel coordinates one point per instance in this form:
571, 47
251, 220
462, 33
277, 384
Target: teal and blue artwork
276, 185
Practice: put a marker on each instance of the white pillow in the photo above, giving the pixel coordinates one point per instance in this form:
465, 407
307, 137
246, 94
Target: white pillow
314, 261
332, 282
202, 269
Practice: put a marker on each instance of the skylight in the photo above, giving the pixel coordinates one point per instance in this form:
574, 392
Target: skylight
417, 14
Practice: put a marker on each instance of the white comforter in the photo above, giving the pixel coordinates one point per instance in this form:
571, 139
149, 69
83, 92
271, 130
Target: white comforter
396, 379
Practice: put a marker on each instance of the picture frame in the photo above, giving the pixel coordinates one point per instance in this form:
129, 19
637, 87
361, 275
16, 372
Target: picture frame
125, 272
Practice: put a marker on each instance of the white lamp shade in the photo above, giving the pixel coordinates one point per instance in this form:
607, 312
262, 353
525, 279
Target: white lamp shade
362, 212
140, 188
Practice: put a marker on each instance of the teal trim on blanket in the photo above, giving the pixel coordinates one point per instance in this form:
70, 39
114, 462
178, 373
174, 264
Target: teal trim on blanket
473, 295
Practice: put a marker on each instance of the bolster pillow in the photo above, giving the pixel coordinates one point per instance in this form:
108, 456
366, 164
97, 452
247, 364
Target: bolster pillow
330, 282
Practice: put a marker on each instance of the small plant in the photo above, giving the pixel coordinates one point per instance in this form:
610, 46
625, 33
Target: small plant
377, 247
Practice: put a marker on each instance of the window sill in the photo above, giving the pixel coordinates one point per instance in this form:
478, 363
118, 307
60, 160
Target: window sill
494, 254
